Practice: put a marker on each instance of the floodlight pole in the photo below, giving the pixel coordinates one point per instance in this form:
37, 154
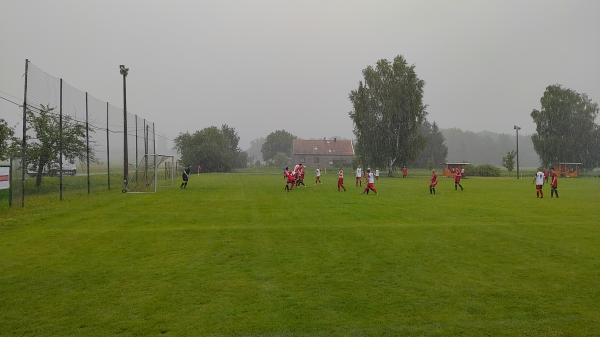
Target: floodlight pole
124, 72
517, 128
24, 140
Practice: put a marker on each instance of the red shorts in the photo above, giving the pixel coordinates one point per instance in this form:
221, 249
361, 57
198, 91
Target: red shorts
538, 187
340, 181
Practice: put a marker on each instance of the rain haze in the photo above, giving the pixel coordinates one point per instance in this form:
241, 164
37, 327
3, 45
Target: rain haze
265, 65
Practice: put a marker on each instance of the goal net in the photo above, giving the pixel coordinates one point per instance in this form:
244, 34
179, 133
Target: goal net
151, 172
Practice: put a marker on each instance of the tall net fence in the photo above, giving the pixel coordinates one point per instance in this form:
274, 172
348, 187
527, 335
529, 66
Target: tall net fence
75, 144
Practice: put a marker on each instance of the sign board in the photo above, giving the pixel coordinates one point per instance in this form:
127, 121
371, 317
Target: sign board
4, 178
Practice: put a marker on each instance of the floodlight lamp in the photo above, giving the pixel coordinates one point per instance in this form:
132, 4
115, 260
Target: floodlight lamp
123, 70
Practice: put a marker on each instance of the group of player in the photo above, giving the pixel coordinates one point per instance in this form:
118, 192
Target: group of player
458, 175
541, 177
295, 177
369, 177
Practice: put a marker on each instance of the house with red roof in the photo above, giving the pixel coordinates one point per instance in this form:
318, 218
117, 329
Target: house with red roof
323, 152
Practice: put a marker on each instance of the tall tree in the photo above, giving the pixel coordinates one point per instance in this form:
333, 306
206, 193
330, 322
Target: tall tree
388, 112
279, 141
212, 148
43, 148
566, 130
435, 150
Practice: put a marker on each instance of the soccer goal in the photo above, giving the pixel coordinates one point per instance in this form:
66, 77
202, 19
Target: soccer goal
151, 172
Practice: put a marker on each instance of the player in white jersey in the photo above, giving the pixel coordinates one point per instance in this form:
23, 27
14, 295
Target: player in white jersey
318, 176
377, 174
539, 184
370, 182
359, 176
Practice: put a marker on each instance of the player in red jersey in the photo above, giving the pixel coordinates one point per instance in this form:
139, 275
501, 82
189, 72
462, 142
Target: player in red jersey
370, 182
290, 179
300, 175
341, 180
553, 183
404, 171
457, 177
433, 182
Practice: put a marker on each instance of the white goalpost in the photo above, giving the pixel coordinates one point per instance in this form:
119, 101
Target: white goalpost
153, 171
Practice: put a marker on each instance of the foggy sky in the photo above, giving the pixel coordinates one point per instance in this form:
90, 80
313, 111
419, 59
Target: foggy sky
266, 65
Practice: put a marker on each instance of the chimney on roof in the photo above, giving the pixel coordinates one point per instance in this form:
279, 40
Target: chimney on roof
334, 139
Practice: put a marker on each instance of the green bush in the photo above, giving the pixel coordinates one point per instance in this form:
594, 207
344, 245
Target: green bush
484, 170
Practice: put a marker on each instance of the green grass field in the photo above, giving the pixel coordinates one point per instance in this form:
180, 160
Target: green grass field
234, 255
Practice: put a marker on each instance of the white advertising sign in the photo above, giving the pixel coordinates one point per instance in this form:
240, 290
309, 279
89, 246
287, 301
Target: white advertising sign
4, 178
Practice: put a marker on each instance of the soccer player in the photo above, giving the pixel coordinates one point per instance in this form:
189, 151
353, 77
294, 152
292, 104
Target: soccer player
404, 171
290, 180
433, 182
377, 174
341, 180
300, 175
358, 176
539, 184
370, 182
185, 176
553, 183
318, 176
457, 177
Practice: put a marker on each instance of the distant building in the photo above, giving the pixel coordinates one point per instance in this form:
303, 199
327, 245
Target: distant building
323, 152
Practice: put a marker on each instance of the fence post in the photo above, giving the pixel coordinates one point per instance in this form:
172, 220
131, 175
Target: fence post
87, 141
154, 152
107, 148
136, 149
24, 141
145, 151
10, 181
60, 141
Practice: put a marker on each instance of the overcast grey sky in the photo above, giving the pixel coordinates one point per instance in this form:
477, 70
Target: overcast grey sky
265, 65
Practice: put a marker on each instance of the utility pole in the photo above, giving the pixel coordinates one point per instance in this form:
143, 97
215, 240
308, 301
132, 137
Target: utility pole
124, 71
517, 128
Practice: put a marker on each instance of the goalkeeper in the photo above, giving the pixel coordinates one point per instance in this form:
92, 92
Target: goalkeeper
185, 176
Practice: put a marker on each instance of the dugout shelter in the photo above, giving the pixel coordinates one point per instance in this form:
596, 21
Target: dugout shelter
450, 168
569, 170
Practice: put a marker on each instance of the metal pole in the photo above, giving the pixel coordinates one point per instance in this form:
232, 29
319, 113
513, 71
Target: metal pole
124, 72
107, 148
87, 141
146, 129
518, 175
60, 141
24, 141
136, 149
10, 181
154, 152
